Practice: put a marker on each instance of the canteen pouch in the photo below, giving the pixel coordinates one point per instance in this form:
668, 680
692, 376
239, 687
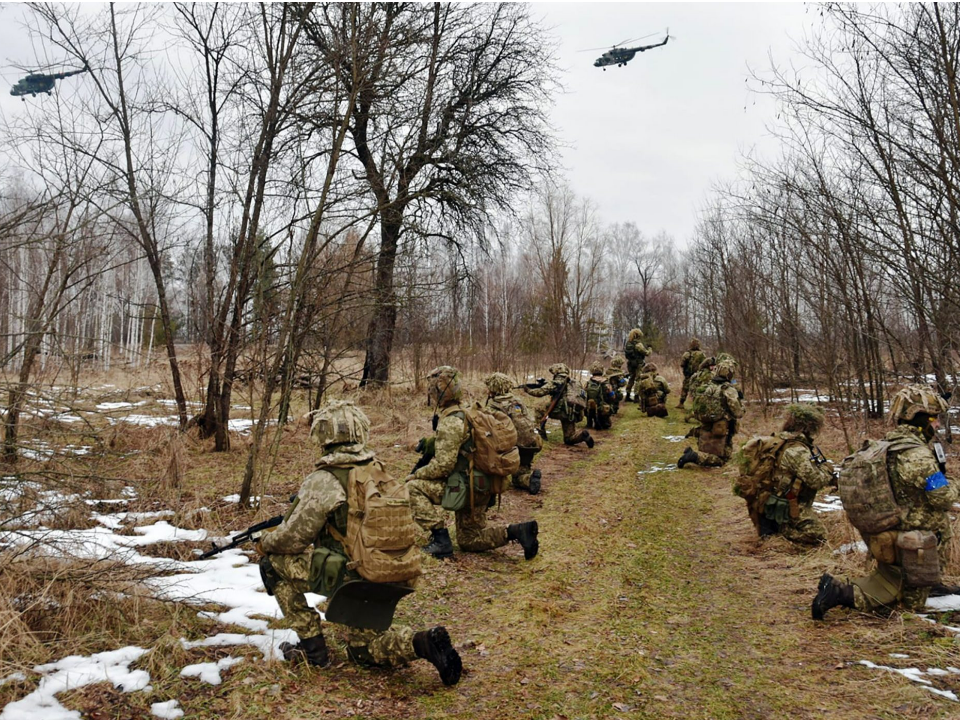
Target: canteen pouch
919, 558
456, 493
883, 547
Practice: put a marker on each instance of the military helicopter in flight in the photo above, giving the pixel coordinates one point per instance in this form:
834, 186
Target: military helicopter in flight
620, 56
41, 83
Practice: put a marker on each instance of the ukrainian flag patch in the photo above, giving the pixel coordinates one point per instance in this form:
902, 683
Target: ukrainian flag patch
936, 481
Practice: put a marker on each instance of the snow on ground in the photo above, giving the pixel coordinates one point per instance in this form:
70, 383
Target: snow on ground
859, 547
674, 438
169, 710
74, 672
917, 675
209, 672
657, 467
228, 579
946, 603
830, 503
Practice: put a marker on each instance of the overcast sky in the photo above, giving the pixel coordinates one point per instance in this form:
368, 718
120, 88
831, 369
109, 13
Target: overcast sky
646, 141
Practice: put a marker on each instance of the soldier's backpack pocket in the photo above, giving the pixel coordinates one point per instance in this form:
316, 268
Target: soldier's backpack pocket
919, 558
456, 493
327, 569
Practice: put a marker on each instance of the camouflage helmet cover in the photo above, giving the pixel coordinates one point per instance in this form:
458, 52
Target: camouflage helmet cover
707, 363
339, 422
915, 399
444, 388
617, 361
558, 369
805, 418
498, 384
724, 370
694, 344
650, 368
635, 334
596, 368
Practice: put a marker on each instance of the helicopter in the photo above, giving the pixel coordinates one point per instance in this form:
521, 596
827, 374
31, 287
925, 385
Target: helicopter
620, 56
41, 83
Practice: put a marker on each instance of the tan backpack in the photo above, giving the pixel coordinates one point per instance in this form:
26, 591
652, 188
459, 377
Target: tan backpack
865, 489
494, 441
758, 461
381, 532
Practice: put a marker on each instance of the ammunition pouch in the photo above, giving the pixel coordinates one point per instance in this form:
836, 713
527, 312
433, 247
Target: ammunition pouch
917, 551
883, 547
327, 570
777, 508
456, 492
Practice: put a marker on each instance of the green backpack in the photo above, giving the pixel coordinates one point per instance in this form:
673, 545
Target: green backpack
708, 405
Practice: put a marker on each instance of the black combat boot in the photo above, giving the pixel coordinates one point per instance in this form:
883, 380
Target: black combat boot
439, 546
312, 651
941, 590
830, 593
588, 439
535, 482
689, 456
525, 534
434, 646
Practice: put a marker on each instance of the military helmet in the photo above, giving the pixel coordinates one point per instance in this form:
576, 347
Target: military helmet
617, 362
558, 369
650, 368
596, 368
635, 334
444, 388
498, 384
726, 357
915, 399
803, 417
339, 422
724, 371
707, 363
694, 344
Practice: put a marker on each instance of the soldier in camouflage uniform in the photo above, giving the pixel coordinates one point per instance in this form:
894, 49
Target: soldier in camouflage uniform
529, 443
452, 447
341, 429
617, 381
636, 353
565, 409
698, 381
925, 497
787, 508
599, 396
722, 407
653, 392
689, 365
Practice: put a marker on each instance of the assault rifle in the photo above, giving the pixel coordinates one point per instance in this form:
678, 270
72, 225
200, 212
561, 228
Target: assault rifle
427, 449
251, 534
818, 458
554, 399
531, 385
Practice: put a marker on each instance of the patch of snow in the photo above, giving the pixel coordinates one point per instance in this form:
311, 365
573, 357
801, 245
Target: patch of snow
917, 675
657, 467
106, 406
946, 603
146, 420
169, 710
14, 677
209, 672
116, 520
830, 503
100, 543
900, 656
674, 438
859, 547
73, 672
235, 498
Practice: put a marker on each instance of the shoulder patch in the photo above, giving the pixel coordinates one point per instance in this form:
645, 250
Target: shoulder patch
936, 481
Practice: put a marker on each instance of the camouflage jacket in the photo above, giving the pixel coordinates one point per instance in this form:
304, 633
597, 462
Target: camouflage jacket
523, 419
564, 409
635, 352
797, 471
452, 432
321, 495
691, 361
919, 486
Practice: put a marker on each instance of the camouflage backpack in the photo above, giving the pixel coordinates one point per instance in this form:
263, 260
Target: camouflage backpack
381, 537
526, 427
708, 405
693, 360
599, 395
758, 461
494, 441
635, 350
865, 489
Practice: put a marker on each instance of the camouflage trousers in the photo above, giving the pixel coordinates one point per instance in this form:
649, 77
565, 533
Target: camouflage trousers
571, 433
714, 444
685, 389
633, 373
522, 478
806, 529
370, 647
425, 499
885, 587
473, 535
